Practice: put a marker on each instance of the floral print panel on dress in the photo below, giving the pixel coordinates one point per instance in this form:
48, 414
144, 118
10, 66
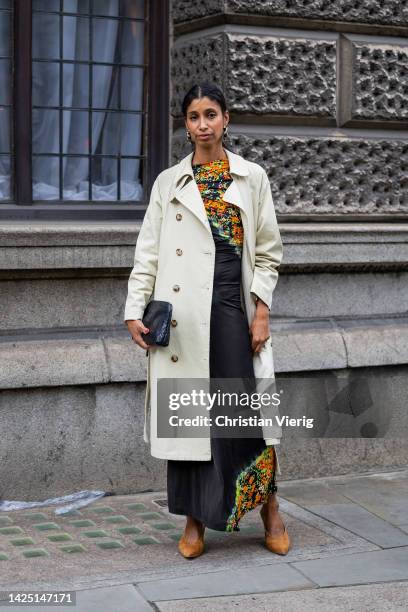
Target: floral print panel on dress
252, 486
213, 179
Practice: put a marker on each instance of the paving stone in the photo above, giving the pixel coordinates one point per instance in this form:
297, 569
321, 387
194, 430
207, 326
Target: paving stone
129, 530
276, 577
110, 544
117, 519
102, 509
308, 493
97, 533
73, 548
164, 526
83, 523
391, 597
46, 526
359, 568
137, 507
362, 522
150, 516
212, 534
123, 598
175, 536
35, 552
387, 499
10, 530
146, 540
22, 541
35, 516
252, 528
59, 537
382, 482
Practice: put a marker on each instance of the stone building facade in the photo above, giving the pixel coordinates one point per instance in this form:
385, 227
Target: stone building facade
318, 95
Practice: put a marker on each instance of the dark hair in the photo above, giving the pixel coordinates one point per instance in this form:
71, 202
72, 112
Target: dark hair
208, 89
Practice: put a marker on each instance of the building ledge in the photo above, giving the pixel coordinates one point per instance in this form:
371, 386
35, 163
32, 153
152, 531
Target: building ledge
40, 246
71, 358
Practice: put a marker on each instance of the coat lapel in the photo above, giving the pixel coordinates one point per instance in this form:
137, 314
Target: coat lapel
186, 190
189, 195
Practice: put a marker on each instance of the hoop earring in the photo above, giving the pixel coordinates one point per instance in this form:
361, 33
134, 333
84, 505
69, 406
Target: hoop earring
188, 136
225, 135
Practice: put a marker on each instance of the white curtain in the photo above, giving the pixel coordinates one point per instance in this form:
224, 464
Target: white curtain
109, 39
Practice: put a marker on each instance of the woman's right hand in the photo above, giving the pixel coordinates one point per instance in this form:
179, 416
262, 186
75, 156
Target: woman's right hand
136, 329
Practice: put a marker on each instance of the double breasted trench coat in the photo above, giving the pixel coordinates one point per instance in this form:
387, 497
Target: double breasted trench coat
174, 261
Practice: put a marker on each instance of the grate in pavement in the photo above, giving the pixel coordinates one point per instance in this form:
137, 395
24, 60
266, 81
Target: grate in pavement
99, 526
160, 502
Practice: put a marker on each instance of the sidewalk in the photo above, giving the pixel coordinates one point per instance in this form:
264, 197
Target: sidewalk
350, 550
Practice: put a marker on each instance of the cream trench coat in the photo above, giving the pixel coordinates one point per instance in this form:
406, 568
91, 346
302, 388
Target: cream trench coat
174, 261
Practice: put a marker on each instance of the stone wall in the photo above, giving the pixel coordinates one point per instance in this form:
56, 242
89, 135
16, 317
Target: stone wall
318, 96
323, 109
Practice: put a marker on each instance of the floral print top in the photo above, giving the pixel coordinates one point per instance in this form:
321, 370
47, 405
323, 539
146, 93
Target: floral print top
213, 179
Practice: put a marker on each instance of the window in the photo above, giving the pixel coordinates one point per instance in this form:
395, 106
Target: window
5, 100
83, 93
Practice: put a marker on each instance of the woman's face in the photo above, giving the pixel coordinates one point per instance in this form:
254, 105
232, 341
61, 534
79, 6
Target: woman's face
205, 121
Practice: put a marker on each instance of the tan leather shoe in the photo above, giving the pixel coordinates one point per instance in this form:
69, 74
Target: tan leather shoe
190, 550
279, 544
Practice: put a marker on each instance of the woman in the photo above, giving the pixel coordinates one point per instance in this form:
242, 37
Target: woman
215, 210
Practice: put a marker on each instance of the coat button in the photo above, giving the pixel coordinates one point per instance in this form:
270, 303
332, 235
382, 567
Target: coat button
179, 216
174, 358
179, 251
174, 322
176, 288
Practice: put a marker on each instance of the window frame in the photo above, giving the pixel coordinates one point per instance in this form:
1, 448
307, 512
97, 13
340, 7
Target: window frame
155, 137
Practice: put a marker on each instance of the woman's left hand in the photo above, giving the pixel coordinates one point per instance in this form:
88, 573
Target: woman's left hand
259, 330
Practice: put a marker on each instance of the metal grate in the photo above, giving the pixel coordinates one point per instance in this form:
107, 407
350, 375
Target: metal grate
160, 502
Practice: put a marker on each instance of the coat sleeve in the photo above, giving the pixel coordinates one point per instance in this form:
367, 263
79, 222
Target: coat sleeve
143, 275
268, 248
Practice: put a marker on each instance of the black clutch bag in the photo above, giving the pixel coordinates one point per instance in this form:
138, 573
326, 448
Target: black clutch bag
157, 317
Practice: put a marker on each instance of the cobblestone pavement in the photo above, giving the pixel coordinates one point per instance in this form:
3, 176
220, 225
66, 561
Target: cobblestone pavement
346, 532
